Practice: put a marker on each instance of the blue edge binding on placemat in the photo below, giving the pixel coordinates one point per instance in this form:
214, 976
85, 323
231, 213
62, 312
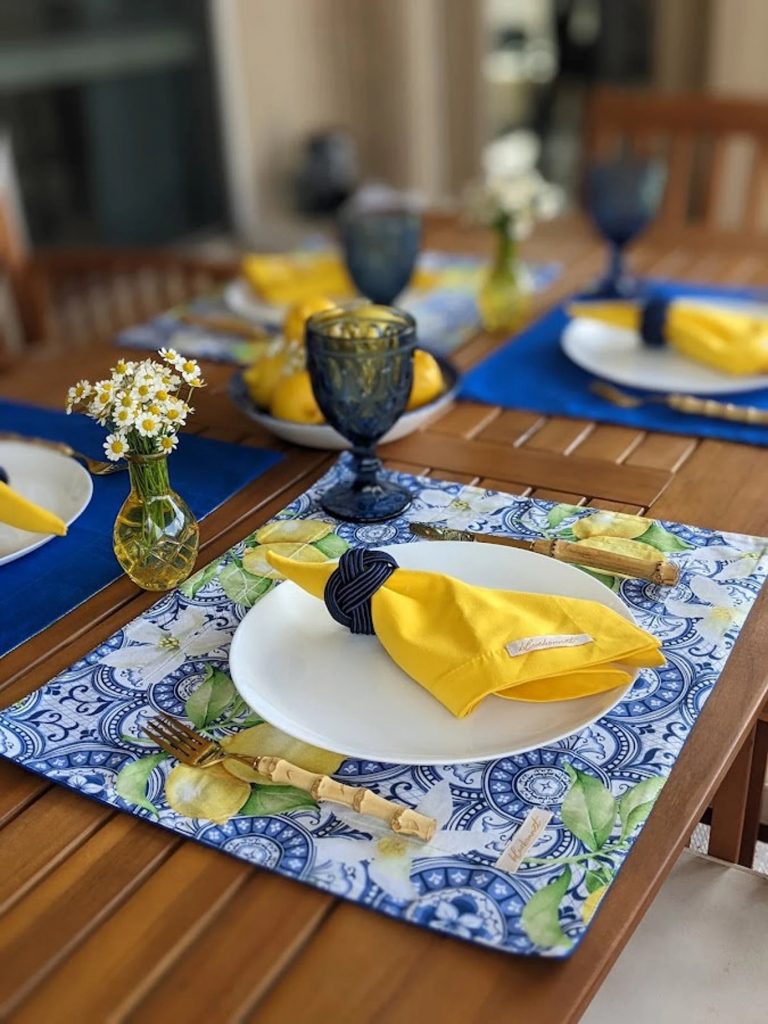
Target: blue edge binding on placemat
46, 584
531, 372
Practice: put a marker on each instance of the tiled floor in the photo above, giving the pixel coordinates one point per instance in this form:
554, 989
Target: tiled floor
700, 842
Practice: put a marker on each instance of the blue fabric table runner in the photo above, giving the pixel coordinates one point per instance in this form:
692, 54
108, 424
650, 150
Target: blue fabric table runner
532, 372
46, 584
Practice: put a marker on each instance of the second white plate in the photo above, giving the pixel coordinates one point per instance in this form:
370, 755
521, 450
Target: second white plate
309, 676
54, 481
620, 356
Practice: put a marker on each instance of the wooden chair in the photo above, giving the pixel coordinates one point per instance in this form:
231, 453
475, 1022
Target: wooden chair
716, 150
698, 954
70, 297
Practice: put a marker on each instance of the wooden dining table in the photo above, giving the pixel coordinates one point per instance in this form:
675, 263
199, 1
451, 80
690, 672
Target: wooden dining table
106, 917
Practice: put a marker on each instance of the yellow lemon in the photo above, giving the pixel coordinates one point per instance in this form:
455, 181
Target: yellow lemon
255, 559
294, 400
266, 739
299, 313
611, 524
262, 378
285, 530
621, 546
590, 904
427, 379
209, 793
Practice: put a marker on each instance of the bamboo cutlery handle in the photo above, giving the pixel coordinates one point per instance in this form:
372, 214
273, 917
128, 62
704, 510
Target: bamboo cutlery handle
400, 819
659, 571
717, 410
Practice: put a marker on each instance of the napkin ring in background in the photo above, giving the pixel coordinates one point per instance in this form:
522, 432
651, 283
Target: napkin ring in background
653, 320
349, 589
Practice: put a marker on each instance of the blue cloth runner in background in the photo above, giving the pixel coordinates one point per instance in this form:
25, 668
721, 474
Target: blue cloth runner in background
532, 372
47, 583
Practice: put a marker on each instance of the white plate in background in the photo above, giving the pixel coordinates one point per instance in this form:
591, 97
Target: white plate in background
48, 478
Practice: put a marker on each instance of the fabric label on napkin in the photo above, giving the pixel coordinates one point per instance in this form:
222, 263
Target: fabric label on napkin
514, 852
545, 643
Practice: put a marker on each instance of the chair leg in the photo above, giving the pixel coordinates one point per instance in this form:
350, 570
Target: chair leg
736, 806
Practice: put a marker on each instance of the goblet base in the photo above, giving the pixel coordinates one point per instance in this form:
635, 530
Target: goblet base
624, 287
371, 503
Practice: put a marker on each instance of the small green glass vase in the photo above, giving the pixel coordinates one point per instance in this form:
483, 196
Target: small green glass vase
504, 299
155, 537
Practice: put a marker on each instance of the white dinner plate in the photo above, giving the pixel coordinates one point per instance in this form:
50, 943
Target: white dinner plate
48, 478
240, 298
308, 675
620, 356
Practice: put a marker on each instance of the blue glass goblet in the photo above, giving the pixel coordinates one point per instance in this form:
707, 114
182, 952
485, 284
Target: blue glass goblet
360, 362
380, 249
623, 197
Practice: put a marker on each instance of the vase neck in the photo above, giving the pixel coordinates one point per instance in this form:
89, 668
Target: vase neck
506, 245
149, 475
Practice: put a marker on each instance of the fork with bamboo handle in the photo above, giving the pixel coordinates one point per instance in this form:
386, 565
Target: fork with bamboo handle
689, 404
191, 748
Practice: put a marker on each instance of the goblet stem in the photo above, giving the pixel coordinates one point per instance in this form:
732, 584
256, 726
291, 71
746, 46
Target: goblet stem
366, 466
615, 265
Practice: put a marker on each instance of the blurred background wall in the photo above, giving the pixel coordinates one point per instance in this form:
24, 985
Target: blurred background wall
149, 121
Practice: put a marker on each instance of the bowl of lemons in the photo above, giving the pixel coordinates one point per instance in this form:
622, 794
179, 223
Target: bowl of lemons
276, 391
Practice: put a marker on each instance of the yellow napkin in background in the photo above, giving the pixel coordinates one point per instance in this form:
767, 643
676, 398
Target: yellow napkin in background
284, 279
718, 336
458, 641
24, 514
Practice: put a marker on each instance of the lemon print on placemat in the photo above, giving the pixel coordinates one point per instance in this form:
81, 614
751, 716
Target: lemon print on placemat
210, 793
299, 539
617, 532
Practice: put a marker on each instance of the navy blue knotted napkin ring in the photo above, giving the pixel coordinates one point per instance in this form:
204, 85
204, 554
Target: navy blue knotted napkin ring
653, 320
349, 589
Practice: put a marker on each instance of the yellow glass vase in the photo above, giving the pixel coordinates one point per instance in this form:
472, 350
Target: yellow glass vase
155, 537
504, 299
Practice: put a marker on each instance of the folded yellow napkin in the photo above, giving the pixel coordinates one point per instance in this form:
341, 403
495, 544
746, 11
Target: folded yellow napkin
720, 336
24, 514
282, 280
463, 643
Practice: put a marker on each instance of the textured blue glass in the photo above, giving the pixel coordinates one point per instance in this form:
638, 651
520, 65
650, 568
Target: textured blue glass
380, 248
623, 197
362, 386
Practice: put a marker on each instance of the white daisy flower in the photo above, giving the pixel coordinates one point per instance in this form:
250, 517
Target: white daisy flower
170, 355
78, 394
122, 368
115, 446
147, 423
123, 416
176, 412
168, 443
143, 390
190, 371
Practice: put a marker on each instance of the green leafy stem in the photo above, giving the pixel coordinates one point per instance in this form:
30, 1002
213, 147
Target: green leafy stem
591, 813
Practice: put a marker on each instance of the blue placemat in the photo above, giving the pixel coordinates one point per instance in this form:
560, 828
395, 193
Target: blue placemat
526, 844
531, 372
446, 314
46, 584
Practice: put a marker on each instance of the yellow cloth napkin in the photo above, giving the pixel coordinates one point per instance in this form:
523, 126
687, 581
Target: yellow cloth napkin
295, 277
463, 643
719, 336
24, 514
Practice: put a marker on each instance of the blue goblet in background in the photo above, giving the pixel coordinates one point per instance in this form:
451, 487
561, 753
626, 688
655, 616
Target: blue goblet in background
623, 197
380, 248
360, 361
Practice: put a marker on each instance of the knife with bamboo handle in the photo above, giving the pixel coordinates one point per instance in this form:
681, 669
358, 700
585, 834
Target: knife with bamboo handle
661, 572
